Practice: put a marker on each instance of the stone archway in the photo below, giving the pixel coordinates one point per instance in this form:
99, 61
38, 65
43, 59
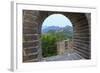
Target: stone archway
32, 22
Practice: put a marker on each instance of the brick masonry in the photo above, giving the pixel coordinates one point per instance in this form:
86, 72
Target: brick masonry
32, 22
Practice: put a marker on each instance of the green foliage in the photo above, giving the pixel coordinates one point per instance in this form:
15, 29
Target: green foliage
48, 45
49, 40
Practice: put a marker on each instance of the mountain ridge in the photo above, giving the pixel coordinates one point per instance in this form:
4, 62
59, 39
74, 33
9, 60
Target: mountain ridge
57, 28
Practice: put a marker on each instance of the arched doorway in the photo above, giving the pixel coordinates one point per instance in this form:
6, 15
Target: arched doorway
56, 35
34, 19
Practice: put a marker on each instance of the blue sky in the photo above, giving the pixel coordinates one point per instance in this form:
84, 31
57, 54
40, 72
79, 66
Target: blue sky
56, 20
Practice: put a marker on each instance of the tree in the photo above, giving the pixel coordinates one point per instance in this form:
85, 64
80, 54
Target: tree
48, 45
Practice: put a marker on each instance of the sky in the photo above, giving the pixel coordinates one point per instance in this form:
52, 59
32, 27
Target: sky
56, 20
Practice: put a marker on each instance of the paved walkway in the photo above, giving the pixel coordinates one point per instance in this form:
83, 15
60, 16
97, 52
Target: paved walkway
64, 57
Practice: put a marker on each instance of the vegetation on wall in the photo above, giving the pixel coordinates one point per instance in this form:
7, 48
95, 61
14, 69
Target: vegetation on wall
49, 41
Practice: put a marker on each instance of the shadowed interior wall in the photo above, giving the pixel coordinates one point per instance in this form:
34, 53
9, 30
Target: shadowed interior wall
32, 23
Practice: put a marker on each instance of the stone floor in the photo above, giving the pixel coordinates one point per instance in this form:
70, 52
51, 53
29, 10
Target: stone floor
64, 57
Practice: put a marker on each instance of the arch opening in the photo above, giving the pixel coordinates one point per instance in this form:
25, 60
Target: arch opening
56, 35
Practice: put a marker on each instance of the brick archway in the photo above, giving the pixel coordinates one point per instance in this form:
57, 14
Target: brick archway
32, 23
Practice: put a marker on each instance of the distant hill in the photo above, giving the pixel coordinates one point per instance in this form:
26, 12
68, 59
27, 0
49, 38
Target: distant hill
57, 28
67, 30
51, 28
